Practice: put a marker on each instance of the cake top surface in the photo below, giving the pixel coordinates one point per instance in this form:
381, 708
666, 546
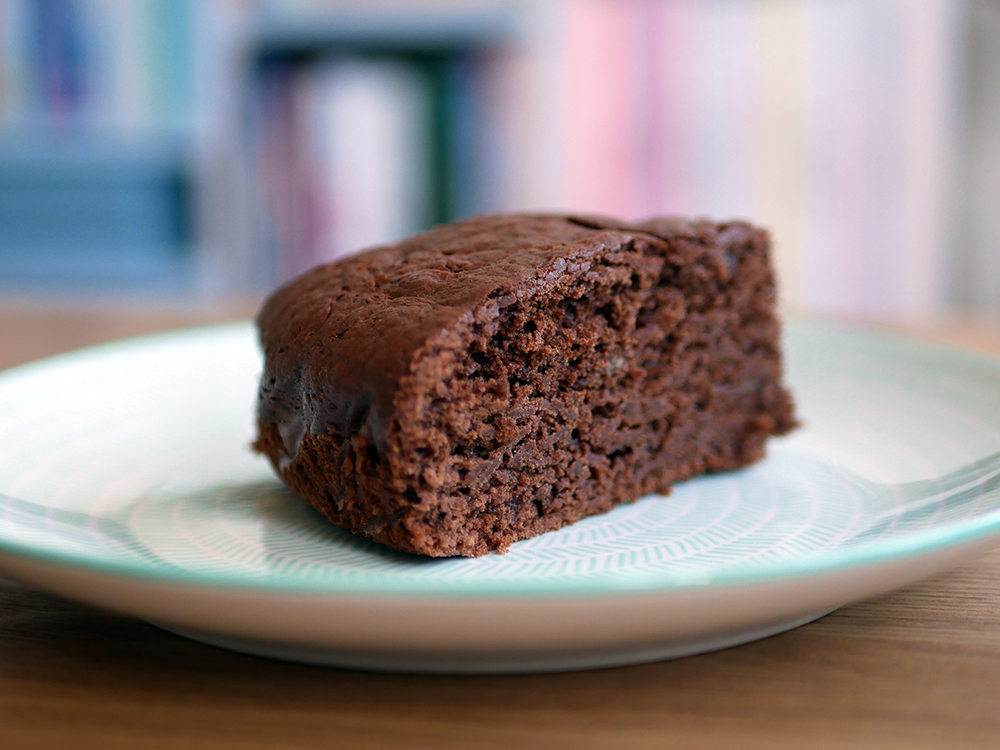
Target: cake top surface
350, 329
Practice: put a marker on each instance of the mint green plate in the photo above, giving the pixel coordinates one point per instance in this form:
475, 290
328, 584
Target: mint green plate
126, 482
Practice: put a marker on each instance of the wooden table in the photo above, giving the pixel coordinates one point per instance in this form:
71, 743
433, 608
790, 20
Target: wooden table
918, 668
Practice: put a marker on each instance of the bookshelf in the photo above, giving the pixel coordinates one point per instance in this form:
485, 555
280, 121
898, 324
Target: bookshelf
94, 214
129, 140
386, 96
840, 126
212, 140
96, 185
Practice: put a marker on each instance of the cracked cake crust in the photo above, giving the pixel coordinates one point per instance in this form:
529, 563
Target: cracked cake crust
504, 376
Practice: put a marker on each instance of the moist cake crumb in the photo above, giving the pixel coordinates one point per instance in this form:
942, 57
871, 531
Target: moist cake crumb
503, 376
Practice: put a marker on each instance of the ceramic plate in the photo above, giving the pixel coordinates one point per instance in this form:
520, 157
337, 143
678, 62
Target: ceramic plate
126, 481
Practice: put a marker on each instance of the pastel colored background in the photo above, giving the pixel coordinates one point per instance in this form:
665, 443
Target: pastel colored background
206, 151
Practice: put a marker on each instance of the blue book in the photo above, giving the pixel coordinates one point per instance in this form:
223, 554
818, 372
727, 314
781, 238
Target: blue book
59, 58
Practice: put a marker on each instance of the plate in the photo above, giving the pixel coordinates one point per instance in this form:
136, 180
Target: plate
127, 482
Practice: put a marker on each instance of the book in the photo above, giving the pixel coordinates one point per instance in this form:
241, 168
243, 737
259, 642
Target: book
343, 159
364, 151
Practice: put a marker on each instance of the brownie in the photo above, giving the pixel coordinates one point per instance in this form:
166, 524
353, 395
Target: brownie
503, 376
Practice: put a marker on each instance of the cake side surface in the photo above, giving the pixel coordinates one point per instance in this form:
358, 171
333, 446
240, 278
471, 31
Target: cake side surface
505, 376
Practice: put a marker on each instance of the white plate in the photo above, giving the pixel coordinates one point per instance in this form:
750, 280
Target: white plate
126, 481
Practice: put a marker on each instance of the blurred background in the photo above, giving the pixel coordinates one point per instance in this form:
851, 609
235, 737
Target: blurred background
195, 152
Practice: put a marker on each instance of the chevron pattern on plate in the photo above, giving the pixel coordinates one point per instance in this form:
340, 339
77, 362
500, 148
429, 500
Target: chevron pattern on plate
134, 457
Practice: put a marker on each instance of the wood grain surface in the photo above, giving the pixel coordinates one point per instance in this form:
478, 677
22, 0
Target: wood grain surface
918, 668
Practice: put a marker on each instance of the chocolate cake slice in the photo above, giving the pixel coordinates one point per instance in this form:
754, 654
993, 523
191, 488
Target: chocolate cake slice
504, 376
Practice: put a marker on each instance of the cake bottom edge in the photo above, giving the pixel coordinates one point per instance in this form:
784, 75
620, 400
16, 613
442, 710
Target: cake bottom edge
450, 526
